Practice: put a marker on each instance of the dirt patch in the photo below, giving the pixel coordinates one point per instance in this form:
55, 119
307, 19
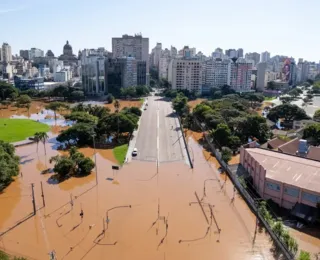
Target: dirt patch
125, 103
36, 107
193, 103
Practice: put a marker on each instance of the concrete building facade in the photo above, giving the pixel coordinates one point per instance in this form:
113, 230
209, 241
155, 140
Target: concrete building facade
6, 55
241, 71
35, 53
265, 56
253, 56
261, 76
217, 72
163, 68
285, 179
186, 74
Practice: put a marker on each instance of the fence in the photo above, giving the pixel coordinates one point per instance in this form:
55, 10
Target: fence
185, 143
250, 201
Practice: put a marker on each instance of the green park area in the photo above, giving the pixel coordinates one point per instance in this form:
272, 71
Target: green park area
13, 130
120, 153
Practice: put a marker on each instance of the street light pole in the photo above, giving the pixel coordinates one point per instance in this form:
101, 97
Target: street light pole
95, 158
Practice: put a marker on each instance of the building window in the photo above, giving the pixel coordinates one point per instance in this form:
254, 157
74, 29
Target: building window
310, 197
291, 192
273, 186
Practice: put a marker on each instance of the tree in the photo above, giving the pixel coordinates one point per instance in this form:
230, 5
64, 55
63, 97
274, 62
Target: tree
221, 135
7, 91
61, 91
316, 116
234, 142
286, 99
287, 111
295, 92
254, 126
76, 164
180, 104
133, 110
77, 95
43, 137
82, 117
24, 101
304, 255
142, 91
80, 134
56, 106
226, 89
226, 154
116, 105
312, 133
37, 139
6, 103
110, 98
9, 164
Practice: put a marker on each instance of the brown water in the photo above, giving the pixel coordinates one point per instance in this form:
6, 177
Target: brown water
130, 233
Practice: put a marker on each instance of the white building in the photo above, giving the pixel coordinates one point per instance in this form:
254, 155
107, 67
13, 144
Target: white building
270, 76
217, 72
241, 71
185, 74
157, 52
61, 76
173, 52
265, 56
261, 75
34, 53
131, 46
55, 65
130, 72
6, 55
163, 68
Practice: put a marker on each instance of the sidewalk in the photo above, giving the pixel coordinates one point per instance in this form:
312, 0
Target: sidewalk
133, 141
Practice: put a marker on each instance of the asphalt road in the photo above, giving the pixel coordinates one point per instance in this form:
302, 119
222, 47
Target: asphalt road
159, 137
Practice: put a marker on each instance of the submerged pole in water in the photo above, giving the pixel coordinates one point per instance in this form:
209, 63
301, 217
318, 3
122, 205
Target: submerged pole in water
42, 195
33, 199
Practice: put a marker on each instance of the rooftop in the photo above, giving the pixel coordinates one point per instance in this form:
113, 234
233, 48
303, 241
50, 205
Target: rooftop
293, 170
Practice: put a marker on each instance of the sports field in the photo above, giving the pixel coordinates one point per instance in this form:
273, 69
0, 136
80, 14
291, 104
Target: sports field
13, 130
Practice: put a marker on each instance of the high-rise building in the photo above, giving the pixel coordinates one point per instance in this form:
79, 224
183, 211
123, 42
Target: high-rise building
34, 53
131, 46
218, 50
253, 56
25, 54
241, 71
6, 53
188, 52
231, 53
157, 55
217, 72
163, 68
240, 53
265, 56
173, 52
141, 73
304, 69
261, 74
185, 74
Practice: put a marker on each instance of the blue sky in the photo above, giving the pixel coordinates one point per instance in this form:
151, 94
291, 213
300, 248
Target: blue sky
285, 27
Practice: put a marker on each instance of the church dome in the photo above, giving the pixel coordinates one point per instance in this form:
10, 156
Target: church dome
67, 49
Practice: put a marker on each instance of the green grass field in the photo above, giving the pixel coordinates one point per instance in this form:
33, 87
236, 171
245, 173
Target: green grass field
13, 130
120, 153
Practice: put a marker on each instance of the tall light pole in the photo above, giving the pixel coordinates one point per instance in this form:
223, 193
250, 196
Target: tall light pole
95, 157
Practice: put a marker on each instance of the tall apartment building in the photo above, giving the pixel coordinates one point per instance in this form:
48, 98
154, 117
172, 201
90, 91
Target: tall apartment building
241, 71
173, 52
265, 56
25, 54
141, 73
130, 72
261, 75
34, 53
157, 52
6, 55
231, 53
217, 72
253, 56
163, 67
240, 53
304, 70
185, 74
131, 46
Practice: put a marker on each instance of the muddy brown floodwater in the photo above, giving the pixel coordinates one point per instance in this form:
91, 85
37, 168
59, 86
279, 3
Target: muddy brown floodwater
144, 214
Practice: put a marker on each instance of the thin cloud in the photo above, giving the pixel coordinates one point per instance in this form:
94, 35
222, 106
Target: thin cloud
4, 11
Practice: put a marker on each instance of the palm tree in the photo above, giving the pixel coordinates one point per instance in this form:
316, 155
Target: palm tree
43, 137
28, 105
37, 139
116, 105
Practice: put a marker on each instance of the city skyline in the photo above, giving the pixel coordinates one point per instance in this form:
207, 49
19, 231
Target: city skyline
253, 26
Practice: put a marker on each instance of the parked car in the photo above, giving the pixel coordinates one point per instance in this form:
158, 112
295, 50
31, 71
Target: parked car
135, 152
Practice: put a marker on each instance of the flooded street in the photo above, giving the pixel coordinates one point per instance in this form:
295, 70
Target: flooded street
134, 232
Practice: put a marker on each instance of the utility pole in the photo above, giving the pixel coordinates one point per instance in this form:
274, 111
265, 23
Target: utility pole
33, 199
42, 195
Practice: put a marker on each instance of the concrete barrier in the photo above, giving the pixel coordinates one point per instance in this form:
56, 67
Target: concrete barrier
185, 143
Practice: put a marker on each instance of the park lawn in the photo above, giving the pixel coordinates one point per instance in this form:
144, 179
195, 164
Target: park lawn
120, 153
13, 130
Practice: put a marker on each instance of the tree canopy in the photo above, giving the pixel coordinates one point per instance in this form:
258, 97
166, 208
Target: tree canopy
316, 116
7, 91
312, 133
180, 104
9, 164
287, 111
82, 117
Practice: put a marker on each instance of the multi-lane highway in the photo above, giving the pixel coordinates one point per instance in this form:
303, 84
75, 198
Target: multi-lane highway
160, 137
